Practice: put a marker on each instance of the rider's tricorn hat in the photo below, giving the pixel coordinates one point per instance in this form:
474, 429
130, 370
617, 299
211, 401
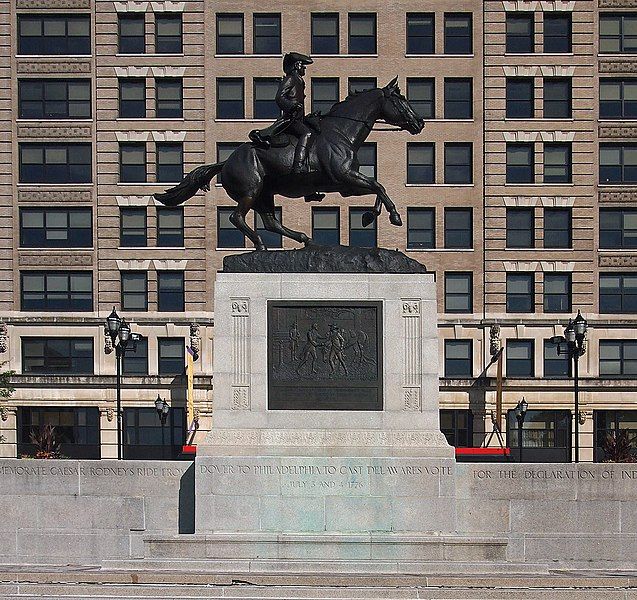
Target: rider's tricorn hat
291, 58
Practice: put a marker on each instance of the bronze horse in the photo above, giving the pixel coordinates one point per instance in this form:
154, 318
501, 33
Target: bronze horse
252, 176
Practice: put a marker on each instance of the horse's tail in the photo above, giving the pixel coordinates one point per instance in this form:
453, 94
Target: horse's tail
198, 179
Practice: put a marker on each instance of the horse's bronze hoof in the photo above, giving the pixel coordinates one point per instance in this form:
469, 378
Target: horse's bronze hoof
394, 219
368, 218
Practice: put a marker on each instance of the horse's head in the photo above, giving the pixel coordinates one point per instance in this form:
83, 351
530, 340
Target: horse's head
396, 109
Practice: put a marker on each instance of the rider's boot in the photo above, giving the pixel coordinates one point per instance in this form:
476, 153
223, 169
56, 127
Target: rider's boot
300, 157
257, 139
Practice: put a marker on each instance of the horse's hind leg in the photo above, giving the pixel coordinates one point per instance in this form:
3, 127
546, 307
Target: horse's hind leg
237, 218
265, 208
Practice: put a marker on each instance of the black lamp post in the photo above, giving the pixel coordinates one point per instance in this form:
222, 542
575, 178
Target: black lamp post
162, 408
520, 415
573, 343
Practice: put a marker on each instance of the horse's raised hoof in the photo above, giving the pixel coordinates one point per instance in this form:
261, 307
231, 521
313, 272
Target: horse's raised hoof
368, 218
261, 248
305, 240
394, 218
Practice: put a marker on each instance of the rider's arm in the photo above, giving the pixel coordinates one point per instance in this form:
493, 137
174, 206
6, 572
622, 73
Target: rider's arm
283, 96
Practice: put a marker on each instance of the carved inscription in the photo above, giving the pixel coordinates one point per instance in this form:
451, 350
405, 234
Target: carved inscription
43, 471
551, 474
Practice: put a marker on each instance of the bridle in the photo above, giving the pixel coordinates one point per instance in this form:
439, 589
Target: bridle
401, 127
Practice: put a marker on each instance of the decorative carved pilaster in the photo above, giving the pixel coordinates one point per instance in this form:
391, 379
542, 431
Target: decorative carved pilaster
412, 331
240, 310
4, 338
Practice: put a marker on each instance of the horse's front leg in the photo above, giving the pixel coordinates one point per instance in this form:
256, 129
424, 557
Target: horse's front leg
237, 218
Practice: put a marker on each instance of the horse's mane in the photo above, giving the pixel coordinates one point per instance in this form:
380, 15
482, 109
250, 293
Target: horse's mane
351, 97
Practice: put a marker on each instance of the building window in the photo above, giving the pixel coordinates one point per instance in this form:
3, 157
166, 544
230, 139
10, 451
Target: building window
366, 157
170, 291
546, 435
134, 286
557, 292
135, 359
458, 163
520, 30
54, 34
421, 166
132, 162
421, 95
520, 98
271, 239
519, 358
558, 98
230, 104
458, 228
618, 98
458, 98
326, 229
355, 85
171, 357
54, 98
325, 33
458, 358
324, 93
617, 293
132, 34
132, 227
359, 235
170, 162
520, 292
617, 358
520, 167
55, 162
168, 33
265, 106
457, 427
555, 365
617, 163
145, 438
557, 32
421, 228
458, 292
458, 33
618, 33
362, 33
266, 33
229, 34
132, 98
76, 430
612, 423
420, 33
617, 228
558, 166
170, 227
557, 228
57, 291
520, 224
169, 100
57, 356
56, 228
228, 236
224, 152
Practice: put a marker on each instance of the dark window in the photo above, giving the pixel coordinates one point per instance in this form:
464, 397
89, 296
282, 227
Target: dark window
362, 33
611, 423
228, 236
555, 365
265, 106
617, 163
55, 162
617, 228
520, 167
170, 227
421, 95
557, 32
458, 292
458, 33
420, 163
171, 356
558, 166
420, 33
557, 292
57, 291
54, 34
520, 30
134, 290
132, 98
356, 85
618, 33
421, 228
230, 34
135, 360
558, 98
546, 436
618, 358
266, 33
458, 162
169, 101
56, 228
326, 226
366, 157
270, 238
457, 427
520, 98
54, 98
170, 291
168, 34
520, 292
618, 98
360, 236
230, 104
617, 293
170, 162
57, 356
458, 98
325, 33
520, 223
132, 228
132, 162
458, 358
324, 93
145, 438
557, 228
132, 34
224, 151
458, 228
519, 357
77, 430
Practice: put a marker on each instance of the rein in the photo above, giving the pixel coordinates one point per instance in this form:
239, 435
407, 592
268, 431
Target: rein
370, 127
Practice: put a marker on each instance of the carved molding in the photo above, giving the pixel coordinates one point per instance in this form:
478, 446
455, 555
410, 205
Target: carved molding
412, 355
133, 265
170, 265
520, 200
168, 71
617, 3
133, 200
240, 311
618, 131
557, 71
557, 136
623, 196
4, 338
544, 5
54, 196
557, 266
617, 66
521, 71
132, 71
519, 266
169, 136
48, 131
55, 260
558, 201
43, 67
53, 4
520, 136
132, 136
617, 260
131, 6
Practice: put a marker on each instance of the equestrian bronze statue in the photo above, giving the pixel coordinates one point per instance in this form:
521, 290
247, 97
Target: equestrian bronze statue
271, 163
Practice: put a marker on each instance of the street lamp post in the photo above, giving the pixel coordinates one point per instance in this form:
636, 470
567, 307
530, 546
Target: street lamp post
162, 408
520, 415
